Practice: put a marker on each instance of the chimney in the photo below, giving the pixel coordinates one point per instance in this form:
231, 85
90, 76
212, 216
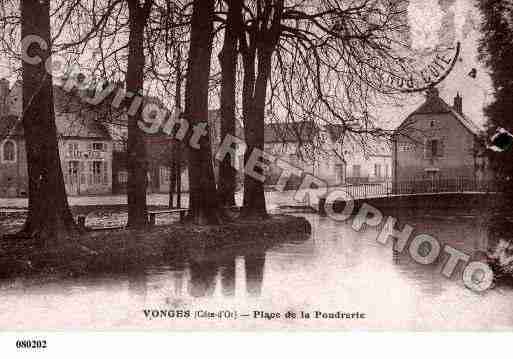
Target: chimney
458, 104
4, 97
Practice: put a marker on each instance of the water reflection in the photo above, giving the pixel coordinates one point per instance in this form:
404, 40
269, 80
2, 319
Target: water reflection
206, 275
202, 281
335, 268
254, 265
138, 284
227, 272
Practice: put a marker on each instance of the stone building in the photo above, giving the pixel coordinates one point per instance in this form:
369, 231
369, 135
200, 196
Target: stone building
328, 153
85, 149
437, 142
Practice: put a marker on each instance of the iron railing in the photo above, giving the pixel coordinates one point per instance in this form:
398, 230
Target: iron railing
421, 186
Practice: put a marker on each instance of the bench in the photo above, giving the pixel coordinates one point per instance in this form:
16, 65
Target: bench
152, 215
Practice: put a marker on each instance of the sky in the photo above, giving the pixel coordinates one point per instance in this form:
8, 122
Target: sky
435, 21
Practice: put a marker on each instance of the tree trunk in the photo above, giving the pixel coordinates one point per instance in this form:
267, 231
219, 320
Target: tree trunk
176, 149
261, 45
179, 180
137, 161
203, 202
172, 177
254, 94
228, 59
49, 215
254, 196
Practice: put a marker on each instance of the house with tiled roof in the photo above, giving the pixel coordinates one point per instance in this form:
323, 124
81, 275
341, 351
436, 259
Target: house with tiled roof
438, 141
85, 147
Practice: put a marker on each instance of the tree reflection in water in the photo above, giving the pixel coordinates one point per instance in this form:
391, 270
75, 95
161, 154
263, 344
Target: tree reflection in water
204, 274
227, 272
254, 266
202, 281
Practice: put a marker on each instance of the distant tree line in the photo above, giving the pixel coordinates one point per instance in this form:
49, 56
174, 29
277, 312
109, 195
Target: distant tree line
496, 51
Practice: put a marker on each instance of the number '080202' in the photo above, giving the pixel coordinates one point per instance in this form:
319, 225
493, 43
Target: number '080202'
31, 344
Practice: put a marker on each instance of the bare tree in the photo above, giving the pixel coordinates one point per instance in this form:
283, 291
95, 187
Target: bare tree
228, 59
137, 162
203, 205
258, 43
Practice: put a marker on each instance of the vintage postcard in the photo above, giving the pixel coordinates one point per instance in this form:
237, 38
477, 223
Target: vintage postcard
255, 165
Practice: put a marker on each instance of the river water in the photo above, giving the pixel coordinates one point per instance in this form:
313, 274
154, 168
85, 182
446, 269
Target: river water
336, 269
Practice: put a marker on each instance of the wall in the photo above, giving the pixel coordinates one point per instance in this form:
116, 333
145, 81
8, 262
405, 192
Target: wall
85, 156
14, 176
326, 164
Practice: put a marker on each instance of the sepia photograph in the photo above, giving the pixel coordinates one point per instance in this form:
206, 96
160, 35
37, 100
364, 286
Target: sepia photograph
174, 166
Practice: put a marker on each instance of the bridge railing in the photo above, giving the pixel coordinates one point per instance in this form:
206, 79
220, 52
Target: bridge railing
446, 185
418, 186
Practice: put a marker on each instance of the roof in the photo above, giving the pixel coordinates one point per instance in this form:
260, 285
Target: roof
279, 132
367, 143
68, 125
71, 125
435, 104
75, 101
370, 145
306, 131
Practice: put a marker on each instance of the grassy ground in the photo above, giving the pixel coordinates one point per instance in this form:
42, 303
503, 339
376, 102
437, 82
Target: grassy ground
124, 250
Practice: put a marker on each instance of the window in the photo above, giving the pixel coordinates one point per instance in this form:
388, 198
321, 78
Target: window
98, 173
387, 171
72, 177
82, 173
377, 170
72, 149
165, 175
9, 151
99, 146
434, 148
406, 147
123, 177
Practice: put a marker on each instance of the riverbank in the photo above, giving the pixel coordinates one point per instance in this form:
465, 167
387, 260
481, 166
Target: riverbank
125, 250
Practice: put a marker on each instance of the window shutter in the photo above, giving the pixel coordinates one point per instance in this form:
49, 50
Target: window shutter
82, 173
105, 173
426, 149
90, 173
